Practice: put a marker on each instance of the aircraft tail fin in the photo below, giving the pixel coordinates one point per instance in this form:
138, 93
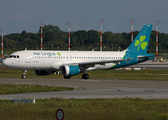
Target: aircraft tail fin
141, 42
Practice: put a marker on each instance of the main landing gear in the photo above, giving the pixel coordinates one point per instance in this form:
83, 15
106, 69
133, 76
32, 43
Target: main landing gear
24, 74
85, 76
67, 77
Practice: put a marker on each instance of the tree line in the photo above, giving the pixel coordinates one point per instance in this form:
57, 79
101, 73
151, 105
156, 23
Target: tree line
80, 40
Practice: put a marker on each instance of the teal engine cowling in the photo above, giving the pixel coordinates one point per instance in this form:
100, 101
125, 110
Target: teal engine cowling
70, 70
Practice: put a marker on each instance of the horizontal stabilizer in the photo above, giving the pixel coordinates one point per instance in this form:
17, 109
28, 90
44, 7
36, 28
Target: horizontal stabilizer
147, 56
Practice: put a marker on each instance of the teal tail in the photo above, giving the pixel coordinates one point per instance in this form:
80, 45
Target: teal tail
141, 42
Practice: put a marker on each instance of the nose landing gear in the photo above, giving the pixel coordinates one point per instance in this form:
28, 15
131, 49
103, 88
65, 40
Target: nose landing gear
24, 74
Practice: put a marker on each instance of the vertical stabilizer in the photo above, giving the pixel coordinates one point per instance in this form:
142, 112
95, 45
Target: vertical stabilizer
141, 42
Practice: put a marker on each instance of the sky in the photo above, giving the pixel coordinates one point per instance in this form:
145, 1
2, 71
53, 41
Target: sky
19, 15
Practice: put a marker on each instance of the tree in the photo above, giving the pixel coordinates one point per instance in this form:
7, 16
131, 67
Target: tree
83, 40
93, 37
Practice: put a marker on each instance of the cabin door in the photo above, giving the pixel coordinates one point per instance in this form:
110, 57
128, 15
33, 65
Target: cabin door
28, 58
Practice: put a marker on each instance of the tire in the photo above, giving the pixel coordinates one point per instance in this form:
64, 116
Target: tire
67, 77
85, 76
23, 76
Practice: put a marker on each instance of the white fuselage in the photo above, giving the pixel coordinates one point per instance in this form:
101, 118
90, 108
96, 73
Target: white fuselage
52, 60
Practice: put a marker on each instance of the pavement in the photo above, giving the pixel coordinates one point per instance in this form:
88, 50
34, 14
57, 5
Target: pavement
92, 88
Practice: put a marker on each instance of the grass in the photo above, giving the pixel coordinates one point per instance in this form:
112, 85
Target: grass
159, 75
87, 109
133, 75
9, 89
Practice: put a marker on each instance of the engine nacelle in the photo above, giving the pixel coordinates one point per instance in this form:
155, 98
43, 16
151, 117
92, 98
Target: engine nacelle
70, 70
43, 72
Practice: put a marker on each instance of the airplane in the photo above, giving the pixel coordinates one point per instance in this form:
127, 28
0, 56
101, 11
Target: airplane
70, 63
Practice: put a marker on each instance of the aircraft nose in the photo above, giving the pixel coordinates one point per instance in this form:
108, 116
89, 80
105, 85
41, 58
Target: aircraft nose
5, 62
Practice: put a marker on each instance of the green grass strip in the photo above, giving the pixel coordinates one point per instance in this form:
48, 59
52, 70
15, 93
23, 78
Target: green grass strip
87, 109
10, 89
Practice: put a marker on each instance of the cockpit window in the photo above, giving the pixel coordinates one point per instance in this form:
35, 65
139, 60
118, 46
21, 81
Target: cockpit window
14, 56
11, 56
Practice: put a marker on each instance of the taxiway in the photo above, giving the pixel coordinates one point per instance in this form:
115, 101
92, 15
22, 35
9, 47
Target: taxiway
92, 88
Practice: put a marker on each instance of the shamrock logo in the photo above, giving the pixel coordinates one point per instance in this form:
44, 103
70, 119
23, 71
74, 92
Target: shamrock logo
141, 43
58, 53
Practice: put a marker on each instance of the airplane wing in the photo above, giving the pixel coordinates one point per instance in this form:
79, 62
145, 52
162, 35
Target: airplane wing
103, 62
91, 64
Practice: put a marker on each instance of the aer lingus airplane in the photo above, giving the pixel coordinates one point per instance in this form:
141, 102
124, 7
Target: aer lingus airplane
71, 63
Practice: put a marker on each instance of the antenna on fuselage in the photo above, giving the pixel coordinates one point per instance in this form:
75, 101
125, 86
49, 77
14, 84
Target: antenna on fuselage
119, 48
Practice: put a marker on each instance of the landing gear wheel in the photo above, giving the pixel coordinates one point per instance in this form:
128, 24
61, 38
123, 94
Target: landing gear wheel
85, 76
67, 77
23, 76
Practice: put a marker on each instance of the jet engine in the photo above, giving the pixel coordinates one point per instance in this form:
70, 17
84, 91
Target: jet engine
43, 72
70, 70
